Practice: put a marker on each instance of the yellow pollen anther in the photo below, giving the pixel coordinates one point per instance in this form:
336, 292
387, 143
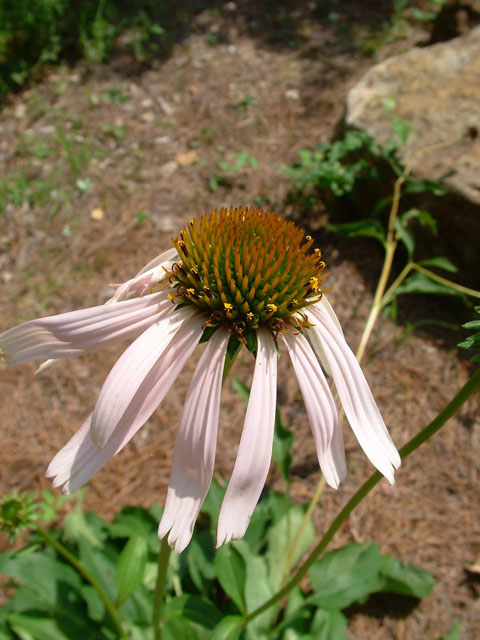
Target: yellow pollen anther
271, 308
191, 292
314, 282
250, 316
308, 238
227, 306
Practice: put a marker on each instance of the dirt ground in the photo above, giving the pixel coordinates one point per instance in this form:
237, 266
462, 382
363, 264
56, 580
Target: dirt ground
115, 159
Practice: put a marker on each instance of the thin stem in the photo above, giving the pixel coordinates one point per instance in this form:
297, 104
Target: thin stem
291, 555
163, 558
448, 283
396, 283
76, 564
391, 246
468, 389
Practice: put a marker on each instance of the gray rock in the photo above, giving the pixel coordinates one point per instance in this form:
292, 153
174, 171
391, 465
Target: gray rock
437, 90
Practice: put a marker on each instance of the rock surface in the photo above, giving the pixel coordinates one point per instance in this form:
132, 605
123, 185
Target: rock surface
437, 90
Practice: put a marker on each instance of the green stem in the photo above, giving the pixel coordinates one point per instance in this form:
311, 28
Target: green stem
448, 283
391, 246
468, 389
163, 558
76, 564
291, 555
396, 283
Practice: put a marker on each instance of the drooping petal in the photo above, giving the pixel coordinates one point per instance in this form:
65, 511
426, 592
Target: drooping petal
130, 371
165, 256
354, 393
255, 449
80, 458
151, 274
321, 409
194, 455
78, 332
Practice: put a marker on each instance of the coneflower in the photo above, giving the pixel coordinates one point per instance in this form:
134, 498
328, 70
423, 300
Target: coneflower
237, 277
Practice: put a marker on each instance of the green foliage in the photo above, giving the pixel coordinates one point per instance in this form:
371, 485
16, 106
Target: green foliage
335, 167
208, 594
473, 341
36, 32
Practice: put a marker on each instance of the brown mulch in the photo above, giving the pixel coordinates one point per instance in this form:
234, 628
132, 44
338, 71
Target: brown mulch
268, 89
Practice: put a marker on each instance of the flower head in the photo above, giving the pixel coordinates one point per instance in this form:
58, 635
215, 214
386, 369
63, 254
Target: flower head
238, 276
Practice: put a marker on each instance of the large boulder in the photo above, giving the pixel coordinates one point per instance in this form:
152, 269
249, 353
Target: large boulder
437, 90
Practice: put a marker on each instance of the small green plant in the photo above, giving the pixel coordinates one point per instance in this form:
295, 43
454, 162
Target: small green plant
244, 105
334, 167
242, 161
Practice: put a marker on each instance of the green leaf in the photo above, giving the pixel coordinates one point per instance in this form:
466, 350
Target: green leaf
43, 574
420, 283
229, 628
329, 625
193, 608
102, 565
176, 628
440, 262
231, 573
405, 236
405, 579
401, 128
369, 228
257, 588
282, 446
131, 567
200, 557
36, 627
346, 576
280, 538
454, 633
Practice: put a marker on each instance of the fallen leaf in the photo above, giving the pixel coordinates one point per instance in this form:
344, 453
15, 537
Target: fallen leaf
186, 159
97, 214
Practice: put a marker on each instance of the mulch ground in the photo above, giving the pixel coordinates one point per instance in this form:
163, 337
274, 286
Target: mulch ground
142, 144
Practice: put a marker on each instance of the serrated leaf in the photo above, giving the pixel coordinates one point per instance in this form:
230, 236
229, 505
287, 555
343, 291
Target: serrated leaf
229, 628
231, 573
440, 262
131, 567
405, 579
346, 576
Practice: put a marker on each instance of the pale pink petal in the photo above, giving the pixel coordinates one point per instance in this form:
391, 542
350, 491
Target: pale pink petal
194, 456
355, 395
255, 449
130, 370
321, 409
78, 332
81, 459
166, 256
151, 274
